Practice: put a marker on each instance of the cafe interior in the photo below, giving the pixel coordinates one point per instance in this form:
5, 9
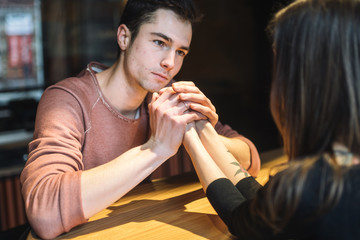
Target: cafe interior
43, 42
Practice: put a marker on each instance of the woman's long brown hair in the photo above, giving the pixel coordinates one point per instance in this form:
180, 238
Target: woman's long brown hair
315, 95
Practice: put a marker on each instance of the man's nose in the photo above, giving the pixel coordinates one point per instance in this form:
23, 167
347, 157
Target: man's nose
168, 61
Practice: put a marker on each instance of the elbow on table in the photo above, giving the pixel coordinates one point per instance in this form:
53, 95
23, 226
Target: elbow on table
52, 207
48, 221
44, 224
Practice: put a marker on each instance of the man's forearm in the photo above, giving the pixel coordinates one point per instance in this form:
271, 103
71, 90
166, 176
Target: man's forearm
103, 185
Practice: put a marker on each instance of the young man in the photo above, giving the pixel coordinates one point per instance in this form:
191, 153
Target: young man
98, 135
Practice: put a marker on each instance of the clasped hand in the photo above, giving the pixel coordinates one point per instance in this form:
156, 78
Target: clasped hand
172, 109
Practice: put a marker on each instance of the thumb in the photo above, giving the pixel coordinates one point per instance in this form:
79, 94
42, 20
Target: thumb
154, 97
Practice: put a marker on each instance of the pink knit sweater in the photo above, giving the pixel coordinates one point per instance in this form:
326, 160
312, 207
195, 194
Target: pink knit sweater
77, 129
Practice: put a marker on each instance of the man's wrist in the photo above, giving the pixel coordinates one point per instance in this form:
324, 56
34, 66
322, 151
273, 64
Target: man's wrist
161, 152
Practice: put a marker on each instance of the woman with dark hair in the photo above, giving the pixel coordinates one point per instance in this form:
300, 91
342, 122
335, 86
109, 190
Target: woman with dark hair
315, 102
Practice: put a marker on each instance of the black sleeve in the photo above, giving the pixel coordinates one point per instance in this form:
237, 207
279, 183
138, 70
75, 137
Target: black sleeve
248, 187
243, 208
224, 198
232, 205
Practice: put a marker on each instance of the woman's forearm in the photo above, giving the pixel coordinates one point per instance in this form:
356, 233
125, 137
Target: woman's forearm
219, 152
205, 167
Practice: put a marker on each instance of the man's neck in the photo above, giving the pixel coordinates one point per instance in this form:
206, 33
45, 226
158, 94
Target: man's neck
125, 98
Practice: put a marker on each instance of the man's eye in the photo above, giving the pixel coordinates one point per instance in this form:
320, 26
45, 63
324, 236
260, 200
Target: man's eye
181, 53
159, 43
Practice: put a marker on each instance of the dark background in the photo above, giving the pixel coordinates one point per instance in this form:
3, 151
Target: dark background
231, 61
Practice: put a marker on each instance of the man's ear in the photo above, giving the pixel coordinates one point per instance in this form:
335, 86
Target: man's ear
123, 37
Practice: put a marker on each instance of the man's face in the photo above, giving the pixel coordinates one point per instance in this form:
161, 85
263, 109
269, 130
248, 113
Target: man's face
157, 53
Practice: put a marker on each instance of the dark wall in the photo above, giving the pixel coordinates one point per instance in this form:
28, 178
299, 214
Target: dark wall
231, 61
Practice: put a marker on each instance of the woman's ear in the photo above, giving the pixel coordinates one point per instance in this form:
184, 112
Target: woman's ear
123, 37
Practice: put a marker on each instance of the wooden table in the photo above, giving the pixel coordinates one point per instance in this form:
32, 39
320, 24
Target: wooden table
174, 208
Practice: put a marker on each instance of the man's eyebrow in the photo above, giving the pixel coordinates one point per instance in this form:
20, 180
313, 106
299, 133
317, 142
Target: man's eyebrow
168, 39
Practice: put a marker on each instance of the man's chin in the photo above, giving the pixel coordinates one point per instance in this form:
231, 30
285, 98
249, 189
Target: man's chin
157, 88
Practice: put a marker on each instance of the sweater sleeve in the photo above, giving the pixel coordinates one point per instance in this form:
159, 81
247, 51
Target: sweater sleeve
51, 177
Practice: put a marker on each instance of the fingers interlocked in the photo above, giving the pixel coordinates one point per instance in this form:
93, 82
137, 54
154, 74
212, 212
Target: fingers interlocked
186, 106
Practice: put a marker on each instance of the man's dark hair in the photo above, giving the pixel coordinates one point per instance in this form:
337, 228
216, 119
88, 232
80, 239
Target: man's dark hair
138, 12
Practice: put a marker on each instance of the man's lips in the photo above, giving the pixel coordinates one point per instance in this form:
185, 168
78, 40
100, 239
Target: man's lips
164, 77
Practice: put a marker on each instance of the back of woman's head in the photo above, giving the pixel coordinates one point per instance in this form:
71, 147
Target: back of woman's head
315, 97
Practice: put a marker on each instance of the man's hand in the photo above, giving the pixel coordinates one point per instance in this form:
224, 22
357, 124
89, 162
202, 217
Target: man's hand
196, 100
168, 120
